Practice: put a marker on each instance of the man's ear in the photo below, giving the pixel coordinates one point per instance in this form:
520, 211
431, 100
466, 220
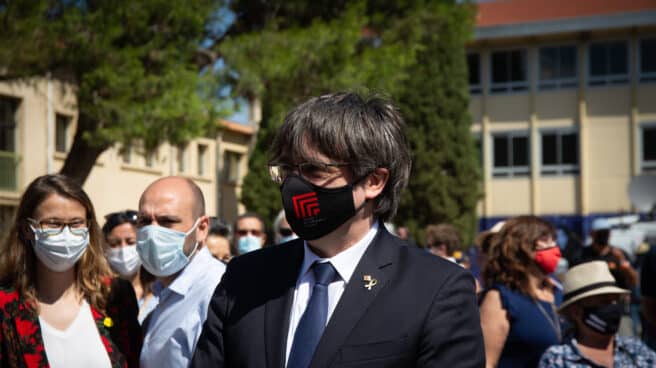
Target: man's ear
203, 228
375, 182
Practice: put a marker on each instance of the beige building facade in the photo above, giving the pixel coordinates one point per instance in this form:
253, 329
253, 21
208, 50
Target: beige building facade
37, 125
564, 108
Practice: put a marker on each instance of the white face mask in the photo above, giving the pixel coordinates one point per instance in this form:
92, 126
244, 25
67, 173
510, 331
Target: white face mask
124, 260
161, 249
249, 243
60, 252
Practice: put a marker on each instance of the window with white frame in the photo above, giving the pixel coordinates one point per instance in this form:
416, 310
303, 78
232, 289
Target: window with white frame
509, 71
182, 157
8, 107
474, 69
608, 63
560, 151
8, 155
201, 159
62, 123
511, 155
648, 148
557, 67
150, 157
231, 163
648, 60
126, 153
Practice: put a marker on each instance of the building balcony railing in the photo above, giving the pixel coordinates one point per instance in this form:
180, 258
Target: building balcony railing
8, 170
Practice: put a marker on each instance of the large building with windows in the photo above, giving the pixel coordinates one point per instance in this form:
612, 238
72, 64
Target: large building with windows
37, 126
563, 100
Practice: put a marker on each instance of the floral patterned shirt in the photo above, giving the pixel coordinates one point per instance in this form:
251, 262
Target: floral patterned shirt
21, 342
628, 352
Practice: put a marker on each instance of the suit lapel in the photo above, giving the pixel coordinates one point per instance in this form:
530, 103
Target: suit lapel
356, 299
277, 310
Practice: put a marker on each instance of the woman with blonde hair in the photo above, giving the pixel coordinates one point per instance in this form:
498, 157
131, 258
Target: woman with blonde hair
518, 307
59, 306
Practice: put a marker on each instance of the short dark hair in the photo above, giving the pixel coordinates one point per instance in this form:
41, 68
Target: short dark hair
443, 234
218, 227
115, 219
250, 215
365, 131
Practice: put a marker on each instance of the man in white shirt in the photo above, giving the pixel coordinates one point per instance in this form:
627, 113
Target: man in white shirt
347, 293
172, 227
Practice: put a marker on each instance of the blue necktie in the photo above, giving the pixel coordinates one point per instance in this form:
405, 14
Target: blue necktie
312, 323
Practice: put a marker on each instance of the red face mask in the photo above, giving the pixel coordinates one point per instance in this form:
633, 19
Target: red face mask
548, 259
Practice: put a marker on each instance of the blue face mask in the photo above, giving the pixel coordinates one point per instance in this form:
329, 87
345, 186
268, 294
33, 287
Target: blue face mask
161, 249
248, 243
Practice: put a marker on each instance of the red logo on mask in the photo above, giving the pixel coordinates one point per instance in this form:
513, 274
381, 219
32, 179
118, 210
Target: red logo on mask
306, 205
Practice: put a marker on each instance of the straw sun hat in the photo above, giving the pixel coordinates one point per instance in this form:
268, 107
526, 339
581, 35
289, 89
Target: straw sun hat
588, 279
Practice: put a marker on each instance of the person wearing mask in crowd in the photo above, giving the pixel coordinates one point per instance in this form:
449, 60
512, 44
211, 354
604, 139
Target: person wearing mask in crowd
284, 232
250, 233
618, 262
443, 240
601, 250
121, 238
59, 305
347, 293
217, 240
171, 232
593, 305
518, 306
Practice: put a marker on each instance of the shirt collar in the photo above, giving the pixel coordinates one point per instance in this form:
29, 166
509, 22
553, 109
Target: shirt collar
185, 279
344, 262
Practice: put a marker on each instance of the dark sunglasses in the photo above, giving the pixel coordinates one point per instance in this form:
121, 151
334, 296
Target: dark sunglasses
285, 231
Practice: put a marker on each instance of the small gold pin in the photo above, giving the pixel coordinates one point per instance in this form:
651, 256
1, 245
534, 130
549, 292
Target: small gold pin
370, 282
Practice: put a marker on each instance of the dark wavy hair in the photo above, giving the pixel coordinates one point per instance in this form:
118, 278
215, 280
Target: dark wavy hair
510, 256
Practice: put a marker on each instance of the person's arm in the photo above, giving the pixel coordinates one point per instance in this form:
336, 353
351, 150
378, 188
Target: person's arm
452, 332
495, 326
210, 349
625, 267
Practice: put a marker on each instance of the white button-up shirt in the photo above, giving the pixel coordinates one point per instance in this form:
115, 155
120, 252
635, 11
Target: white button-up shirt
345, 263
174, 326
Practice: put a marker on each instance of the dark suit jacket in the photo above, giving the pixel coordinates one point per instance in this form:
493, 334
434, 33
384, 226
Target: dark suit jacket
421, 313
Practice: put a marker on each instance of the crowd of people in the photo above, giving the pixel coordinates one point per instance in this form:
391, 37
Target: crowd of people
166, 285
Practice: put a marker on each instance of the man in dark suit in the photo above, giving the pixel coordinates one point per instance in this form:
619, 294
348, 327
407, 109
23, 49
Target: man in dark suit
346, 293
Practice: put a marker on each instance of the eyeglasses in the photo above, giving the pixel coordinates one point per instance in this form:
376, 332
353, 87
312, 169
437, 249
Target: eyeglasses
54, 227
311, 171
284, 231
244, 232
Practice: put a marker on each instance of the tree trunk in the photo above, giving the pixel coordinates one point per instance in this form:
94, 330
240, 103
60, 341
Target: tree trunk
83, 154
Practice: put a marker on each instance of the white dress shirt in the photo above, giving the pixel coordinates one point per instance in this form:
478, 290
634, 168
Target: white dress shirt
345, 263
79, 345
174, 326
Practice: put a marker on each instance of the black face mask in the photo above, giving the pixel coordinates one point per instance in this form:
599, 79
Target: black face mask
603, 319
313, 211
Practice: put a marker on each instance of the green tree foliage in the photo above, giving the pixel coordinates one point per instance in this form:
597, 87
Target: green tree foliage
413, 51
134, 64
445, 180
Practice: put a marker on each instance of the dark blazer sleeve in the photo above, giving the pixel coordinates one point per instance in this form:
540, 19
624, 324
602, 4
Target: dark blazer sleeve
123, 309
452, 334
210, 351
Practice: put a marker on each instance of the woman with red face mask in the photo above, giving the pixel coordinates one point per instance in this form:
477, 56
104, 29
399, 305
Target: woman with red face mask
518, 306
